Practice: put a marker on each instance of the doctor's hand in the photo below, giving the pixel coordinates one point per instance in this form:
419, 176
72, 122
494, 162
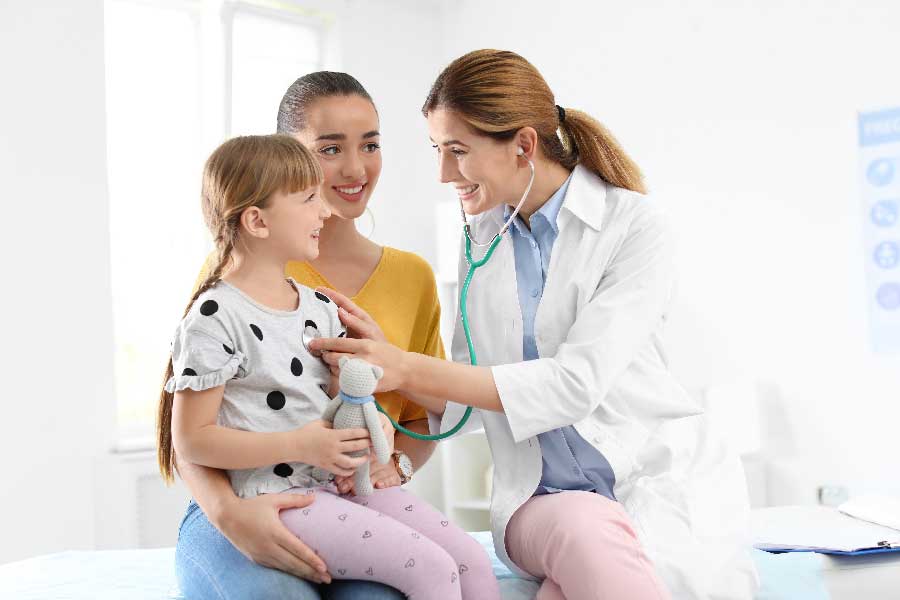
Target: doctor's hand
387, 356
359, 324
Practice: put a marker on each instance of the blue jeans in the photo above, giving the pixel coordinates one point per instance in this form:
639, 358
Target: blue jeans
209, 567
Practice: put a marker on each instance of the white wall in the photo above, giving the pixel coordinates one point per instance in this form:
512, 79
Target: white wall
57, 323
743, 116
393, 48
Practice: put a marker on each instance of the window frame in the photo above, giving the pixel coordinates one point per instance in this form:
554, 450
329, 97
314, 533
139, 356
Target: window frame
213, 21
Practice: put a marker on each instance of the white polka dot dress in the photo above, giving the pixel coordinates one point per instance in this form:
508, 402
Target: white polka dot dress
271, 381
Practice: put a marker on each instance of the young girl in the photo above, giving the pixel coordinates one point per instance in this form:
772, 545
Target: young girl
239, 544
243, 394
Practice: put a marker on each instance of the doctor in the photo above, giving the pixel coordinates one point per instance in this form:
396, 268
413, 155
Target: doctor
608, 481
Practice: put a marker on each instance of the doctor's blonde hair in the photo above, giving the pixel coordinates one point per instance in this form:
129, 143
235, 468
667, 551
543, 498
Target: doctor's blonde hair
497, 92
241, 173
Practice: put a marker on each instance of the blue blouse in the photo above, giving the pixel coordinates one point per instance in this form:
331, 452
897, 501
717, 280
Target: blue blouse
569, 462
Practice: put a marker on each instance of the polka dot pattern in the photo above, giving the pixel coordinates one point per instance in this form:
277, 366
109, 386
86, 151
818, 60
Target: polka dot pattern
296, 367
276, 400
261, 375
283, 470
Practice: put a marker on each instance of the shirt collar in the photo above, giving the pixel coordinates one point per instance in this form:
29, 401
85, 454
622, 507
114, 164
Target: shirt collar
550, 209
585, 199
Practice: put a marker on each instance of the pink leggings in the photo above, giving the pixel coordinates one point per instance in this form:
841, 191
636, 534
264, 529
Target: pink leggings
394, 538
583, 546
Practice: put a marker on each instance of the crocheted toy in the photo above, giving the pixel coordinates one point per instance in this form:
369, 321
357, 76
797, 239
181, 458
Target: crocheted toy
354, 407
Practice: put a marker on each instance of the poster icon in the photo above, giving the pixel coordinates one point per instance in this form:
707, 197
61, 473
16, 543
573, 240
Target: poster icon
888, 296
887, 255
884, 213
880, 172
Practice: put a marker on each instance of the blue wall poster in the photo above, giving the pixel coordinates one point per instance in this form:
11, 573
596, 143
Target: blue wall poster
879, 153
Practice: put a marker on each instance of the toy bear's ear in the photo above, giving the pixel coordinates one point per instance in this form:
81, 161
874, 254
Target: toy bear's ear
379, 372
343, 360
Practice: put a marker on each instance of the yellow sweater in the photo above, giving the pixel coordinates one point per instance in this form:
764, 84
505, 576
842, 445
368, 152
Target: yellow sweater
401, 296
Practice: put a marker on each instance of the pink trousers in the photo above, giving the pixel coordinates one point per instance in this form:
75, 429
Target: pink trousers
584, 548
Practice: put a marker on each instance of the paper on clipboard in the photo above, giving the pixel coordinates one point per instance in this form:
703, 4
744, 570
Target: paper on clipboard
882, 510
817, 529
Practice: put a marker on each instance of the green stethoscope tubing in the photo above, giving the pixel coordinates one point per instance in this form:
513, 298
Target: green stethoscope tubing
463, 297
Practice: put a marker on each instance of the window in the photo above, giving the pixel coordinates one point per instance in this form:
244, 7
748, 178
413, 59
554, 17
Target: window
166, 100
267, 56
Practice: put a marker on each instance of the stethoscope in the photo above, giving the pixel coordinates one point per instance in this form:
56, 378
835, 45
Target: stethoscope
311, 333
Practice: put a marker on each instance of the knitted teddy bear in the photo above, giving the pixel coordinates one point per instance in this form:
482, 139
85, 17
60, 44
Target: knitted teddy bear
354, 407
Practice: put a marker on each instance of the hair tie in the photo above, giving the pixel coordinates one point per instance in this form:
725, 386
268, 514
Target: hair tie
562, 113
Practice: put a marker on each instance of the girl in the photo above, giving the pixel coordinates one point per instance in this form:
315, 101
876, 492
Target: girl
240, 544
247, 394
608, 480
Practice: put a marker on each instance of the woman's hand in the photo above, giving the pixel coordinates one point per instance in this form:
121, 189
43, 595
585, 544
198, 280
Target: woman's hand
359, 324
253, 526
382, 475
320, 445
387, 356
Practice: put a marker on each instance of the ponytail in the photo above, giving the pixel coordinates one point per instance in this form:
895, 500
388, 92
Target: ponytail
593, 146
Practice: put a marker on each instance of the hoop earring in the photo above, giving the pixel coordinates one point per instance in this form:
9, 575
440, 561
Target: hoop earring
371, 218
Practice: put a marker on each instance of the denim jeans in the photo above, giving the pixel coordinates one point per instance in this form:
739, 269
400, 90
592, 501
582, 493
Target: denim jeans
209, 567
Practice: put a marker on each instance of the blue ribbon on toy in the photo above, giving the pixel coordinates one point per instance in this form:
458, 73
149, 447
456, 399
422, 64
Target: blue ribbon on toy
356, 399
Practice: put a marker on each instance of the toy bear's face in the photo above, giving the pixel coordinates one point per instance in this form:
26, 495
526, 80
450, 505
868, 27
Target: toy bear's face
358, 378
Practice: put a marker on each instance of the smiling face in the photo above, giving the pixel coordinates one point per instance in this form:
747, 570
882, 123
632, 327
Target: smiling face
342, 132
293, 222
484, 171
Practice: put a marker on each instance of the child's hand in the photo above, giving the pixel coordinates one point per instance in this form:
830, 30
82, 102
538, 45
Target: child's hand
382, 475
320, 445
388, 428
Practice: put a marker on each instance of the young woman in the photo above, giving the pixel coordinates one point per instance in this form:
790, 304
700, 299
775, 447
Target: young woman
608, 480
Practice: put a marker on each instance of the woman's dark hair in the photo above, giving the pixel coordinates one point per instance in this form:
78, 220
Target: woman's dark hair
309, 88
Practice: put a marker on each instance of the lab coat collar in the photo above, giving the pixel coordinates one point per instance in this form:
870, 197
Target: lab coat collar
585, 199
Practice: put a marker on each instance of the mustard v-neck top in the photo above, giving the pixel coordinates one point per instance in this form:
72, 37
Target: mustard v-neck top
401, 295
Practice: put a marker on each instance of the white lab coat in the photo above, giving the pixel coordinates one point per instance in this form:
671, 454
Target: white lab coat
603, 370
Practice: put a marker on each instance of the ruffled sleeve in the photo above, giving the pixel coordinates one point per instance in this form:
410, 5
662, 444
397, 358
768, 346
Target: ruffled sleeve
202, 360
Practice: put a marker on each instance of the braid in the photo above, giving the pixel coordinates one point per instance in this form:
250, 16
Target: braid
165, 450
243, 172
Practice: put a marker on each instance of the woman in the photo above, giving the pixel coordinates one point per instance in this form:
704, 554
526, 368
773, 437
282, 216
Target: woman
608, 482
238, 548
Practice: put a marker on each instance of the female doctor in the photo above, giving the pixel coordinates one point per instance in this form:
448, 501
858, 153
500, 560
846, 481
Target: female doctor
608, 482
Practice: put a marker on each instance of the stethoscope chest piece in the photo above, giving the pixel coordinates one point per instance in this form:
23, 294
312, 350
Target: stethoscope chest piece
309, 334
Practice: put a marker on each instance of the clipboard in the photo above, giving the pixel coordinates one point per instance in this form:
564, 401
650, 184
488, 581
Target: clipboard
819, 529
